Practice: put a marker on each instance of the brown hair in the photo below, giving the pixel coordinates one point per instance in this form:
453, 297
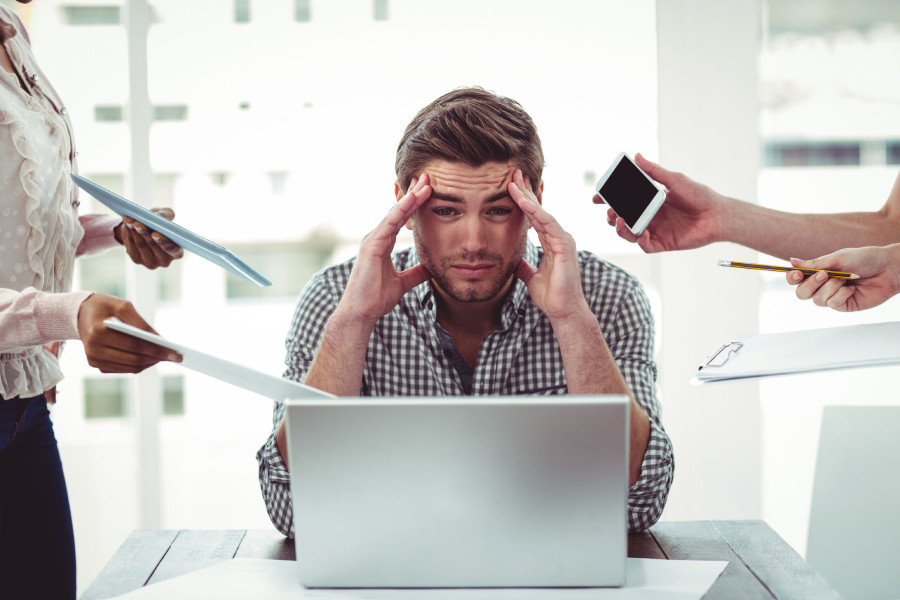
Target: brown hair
473, 126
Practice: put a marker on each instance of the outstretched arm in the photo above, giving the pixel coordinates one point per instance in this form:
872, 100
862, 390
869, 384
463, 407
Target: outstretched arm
695, 215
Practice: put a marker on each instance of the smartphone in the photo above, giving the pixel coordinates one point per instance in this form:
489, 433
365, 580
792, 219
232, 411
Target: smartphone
630, 193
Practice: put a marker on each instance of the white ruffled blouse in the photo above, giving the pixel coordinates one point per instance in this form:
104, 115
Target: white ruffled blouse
40, 231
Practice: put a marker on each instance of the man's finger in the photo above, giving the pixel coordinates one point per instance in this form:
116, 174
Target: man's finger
415, 196
540, 219
413, 277
525, 271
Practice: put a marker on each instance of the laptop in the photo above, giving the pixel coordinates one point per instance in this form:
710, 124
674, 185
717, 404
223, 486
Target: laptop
460, 492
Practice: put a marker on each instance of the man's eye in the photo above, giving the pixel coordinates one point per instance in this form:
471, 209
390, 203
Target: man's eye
499, 210
444, 211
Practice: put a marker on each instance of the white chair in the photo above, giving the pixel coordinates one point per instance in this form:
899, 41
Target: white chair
854, 521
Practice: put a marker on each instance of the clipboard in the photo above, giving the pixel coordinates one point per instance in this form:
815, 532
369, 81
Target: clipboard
182, 236
269, 386
765, 355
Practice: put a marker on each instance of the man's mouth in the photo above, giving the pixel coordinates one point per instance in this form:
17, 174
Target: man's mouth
472, 271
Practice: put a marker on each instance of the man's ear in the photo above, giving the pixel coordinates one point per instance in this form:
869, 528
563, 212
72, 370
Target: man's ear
399, 193
540, 193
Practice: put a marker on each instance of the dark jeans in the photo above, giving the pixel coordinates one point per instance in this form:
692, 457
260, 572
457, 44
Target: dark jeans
37, 546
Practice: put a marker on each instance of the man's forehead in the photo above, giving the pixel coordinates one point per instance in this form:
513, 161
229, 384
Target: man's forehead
455, 175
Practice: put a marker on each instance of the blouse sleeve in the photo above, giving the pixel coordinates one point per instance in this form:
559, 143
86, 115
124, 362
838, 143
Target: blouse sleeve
31, 317
98, 233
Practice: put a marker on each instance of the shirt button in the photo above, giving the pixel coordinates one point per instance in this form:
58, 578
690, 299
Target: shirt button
64, 110
35, 78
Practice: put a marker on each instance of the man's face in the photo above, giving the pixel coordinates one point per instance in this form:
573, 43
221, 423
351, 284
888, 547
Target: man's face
469, 234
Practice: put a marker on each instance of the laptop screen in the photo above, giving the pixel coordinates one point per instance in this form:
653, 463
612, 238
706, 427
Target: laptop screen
460, 491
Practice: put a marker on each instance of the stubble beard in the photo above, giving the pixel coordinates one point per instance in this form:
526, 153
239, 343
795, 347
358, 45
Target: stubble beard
462, 292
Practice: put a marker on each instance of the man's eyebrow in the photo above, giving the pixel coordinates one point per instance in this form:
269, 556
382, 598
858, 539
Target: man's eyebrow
451, 198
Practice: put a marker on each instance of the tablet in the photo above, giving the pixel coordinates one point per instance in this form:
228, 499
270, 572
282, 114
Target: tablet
185, 238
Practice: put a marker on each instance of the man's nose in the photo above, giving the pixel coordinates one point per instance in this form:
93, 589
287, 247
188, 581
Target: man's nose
474, 236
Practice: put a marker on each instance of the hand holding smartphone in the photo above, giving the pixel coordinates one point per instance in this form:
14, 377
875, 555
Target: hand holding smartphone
630, 193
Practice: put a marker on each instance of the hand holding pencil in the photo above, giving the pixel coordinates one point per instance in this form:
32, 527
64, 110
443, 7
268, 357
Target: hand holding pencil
792, 269
877, 277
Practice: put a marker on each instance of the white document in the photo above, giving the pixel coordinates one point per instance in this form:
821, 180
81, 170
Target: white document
276, 388
852, 346
242, 578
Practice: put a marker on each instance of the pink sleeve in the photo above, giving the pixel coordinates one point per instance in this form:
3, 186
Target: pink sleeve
98, 233
31, 318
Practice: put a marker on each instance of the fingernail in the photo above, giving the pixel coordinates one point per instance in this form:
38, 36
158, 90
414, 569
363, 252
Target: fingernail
821, 276
173, 357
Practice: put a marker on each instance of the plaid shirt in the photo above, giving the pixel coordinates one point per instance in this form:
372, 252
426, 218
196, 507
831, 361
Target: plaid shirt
405, 358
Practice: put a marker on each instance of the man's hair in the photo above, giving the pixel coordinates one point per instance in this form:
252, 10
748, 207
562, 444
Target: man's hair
472, 126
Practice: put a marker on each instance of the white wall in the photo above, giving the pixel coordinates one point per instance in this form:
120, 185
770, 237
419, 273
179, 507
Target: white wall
708, 111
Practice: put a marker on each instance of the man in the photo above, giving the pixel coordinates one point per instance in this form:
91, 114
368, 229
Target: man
476, 308
695, 215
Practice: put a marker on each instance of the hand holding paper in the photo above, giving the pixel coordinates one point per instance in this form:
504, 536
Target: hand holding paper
276, 388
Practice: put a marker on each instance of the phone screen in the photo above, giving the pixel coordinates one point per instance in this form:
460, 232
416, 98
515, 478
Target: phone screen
628, 191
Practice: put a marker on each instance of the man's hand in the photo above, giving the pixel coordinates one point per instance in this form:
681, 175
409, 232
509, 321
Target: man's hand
877, 266
112, 351
689, 218
375, 287
146, 247
373, 290
555, 287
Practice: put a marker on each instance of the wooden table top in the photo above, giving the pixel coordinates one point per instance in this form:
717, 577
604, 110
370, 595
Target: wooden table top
761, 565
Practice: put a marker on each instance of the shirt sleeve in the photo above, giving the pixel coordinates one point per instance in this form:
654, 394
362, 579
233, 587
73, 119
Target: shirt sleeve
629, 331
32, 318
317, 301
275, 481
98, 233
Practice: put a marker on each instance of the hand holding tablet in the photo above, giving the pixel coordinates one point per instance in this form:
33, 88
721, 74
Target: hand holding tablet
185, 238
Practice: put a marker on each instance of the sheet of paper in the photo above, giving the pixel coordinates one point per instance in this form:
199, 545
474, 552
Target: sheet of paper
242, 578
270, 386
851, 346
